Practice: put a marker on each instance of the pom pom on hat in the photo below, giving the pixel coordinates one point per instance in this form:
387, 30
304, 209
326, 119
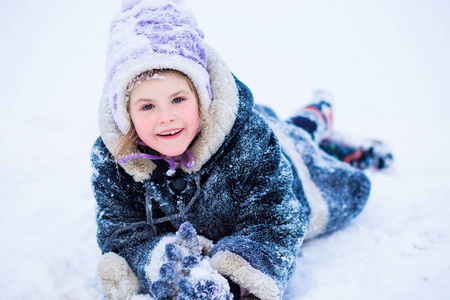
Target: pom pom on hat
130, 3
153, 34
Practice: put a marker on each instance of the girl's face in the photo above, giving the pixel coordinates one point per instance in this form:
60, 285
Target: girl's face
164, 111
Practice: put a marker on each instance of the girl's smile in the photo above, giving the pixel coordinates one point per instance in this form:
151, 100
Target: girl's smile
165, 114
170, 133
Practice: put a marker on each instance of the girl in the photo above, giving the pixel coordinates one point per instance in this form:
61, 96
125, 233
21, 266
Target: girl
201, 194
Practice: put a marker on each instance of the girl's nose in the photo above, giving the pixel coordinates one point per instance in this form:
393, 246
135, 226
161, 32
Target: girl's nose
166, 116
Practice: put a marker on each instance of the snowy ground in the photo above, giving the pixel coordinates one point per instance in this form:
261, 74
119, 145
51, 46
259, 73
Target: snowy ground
387, 62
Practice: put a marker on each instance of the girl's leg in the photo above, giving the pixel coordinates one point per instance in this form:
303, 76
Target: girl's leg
266, 111
317, 119
367, 155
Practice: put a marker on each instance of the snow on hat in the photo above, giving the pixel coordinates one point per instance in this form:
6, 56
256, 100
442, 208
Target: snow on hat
153, 34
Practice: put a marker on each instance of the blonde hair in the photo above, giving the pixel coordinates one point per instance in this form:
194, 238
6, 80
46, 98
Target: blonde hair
129, 142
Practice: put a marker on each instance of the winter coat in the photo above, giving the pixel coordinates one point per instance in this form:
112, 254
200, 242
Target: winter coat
258, 188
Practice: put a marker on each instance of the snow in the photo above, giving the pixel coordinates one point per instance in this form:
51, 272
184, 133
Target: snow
386, 62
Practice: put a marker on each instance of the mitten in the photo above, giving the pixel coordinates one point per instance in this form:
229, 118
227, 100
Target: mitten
186, 274
204, 282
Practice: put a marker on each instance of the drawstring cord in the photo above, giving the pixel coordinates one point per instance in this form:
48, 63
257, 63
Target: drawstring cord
148, 199
149, 219
188, 163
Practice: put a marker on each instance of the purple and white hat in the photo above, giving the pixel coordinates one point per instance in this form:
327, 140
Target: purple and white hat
153, 34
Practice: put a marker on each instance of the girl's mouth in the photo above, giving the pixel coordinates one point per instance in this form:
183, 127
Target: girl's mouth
170, 133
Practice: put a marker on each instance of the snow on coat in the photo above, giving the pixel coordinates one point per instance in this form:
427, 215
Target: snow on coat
257, 186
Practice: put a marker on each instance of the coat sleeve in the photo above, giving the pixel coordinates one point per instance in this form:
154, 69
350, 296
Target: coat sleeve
121, 214
260, 254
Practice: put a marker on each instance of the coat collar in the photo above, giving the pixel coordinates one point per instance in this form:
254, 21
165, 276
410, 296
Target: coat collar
218, 121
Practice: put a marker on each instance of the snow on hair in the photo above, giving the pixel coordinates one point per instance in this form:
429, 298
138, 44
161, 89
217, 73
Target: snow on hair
130, 3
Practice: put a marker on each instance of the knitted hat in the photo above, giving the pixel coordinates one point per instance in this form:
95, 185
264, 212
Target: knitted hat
153, 34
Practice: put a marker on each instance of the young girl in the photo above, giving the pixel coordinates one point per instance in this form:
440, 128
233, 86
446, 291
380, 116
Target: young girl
201, 194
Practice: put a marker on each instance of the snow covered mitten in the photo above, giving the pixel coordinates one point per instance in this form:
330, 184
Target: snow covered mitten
117, 278
204, 282
186, 274
369, 154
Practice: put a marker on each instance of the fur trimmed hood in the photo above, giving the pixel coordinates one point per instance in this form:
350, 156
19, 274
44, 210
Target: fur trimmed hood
218, 121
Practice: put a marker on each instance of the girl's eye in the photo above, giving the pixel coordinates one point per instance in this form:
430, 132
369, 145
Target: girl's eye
177, 100
147, 106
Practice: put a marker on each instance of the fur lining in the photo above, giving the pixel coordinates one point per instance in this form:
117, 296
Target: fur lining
241, 272
117, 278
219, 120
206, 245
319, 208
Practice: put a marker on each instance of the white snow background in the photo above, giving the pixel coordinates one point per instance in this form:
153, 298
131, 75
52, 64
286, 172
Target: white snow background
387, 63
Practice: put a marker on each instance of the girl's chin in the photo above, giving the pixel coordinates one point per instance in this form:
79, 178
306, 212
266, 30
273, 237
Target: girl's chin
177, 154
172, 155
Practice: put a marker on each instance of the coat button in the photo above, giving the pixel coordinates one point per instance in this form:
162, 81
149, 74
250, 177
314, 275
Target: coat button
179, 184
